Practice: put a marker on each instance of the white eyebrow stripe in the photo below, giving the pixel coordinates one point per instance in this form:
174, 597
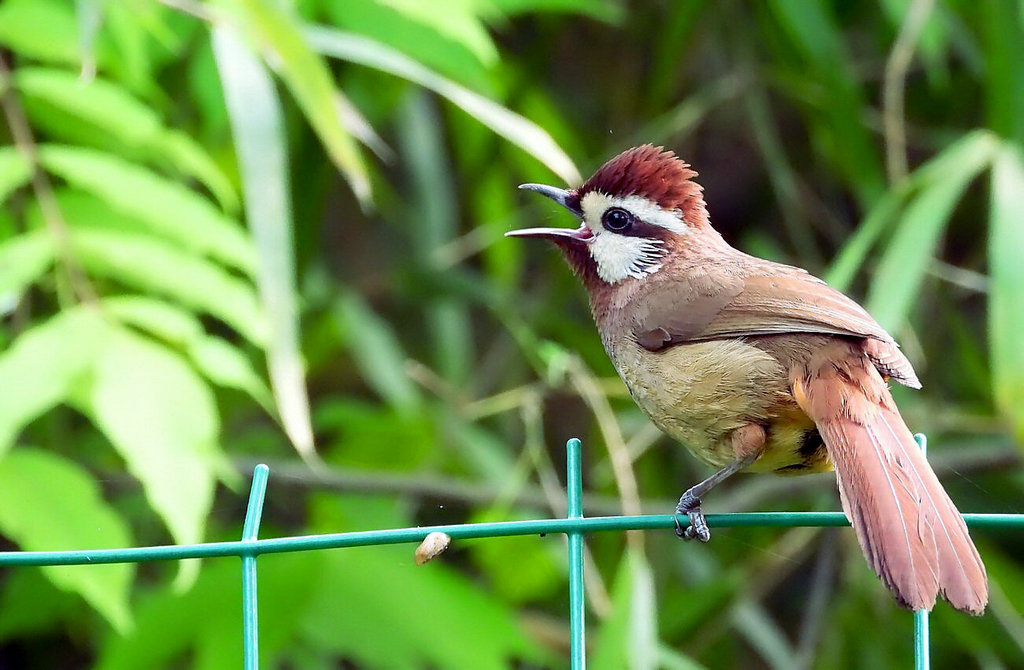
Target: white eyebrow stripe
595, 203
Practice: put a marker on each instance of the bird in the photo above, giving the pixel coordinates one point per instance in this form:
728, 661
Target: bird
761, 367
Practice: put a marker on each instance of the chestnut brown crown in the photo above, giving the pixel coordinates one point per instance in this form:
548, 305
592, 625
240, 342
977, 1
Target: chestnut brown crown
654, 173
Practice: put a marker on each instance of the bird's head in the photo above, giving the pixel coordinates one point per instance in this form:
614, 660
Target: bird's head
636, 210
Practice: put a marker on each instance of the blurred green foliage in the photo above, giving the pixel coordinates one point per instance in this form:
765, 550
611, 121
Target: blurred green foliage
250, 229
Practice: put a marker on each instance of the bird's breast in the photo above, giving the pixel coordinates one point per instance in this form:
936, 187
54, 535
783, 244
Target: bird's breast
698, 393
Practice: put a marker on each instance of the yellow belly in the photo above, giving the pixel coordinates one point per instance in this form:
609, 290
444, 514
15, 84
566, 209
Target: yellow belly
699, 393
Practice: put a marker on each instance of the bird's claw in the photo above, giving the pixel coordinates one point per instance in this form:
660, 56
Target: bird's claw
698, 528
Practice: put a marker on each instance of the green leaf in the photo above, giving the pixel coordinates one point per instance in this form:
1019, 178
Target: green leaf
602, 10
460, 22
127, 122
162, 419
42, 29
629, 637
258, 130
902, 267
379, 21
161, 206
218, 360
148, 264
171, 324
1006, 309
201, 628
15, 171
23, 259
525, 134
376, 351
309, 80
51, 504
840, 132
430, 605
43, 365
973, 148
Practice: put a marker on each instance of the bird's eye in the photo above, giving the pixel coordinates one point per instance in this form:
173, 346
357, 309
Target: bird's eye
616, 219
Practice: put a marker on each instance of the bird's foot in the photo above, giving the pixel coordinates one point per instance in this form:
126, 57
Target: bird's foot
698, 528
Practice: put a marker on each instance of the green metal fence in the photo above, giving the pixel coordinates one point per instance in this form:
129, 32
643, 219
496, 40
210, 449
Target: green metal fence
575, 526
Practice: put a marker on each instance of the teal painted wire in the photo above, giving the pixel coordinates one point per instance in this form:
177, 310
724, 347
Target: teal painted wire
577, 613
922, 636
921, 640
250, 604
460, 532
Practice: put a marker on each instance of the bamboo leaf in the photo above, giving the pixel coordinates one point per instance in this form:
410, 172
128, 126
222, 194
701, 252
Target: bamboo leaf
525, 134
23, 259
51, 504
148, 264
309, 80
162, 206
15, 171
1006, 309
258, 130
376, 351
902, 267
968, 153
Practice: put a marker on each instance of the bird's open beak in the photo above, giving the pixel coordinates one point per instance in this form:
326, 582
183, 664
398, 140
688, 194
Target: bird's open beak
565, 199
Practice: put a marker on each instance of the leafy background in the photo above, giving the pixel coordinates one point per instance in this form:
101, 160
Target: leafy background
250, 230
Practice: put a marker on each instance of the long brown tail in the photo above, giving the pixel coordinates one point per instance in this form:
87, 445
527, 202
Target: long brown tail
909, 530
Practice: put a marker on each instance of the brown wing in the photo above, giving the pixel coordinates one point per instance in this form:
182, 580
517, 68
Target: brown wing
714, 305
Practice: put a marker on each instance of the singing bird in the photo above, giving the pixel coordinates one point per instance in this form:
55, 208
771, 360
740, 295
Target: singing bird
758, 366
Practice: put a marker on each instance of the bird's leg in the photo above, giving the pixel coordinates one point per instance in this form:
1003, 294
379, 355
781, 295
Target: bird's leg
747, 443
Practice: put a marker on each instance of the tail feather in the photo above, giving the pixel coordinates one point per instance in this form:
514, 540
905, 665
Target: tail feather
909, 530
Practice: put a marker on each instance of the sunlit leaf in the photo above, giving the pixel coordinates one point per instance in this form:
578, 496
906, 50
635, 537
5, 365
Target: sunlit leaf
112, 110
15, 171
164, 207
972, 149
459, 21
42, 29
309, 80
148, 264
386, 24
50, 504
224, 365
218, 360
902, 267
523, 133
1006, 260
23, 259
43, 366
258, 130
603, 10
162, 419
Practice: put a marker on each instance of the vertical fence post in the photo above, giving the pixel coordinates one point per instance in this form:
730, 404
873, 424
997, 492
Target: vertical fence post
577, 615
250, 605
921, 634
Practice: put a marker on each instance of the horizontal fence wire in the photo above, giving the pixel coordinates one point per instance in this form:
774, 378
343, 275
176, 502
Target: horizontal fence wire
574, 527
